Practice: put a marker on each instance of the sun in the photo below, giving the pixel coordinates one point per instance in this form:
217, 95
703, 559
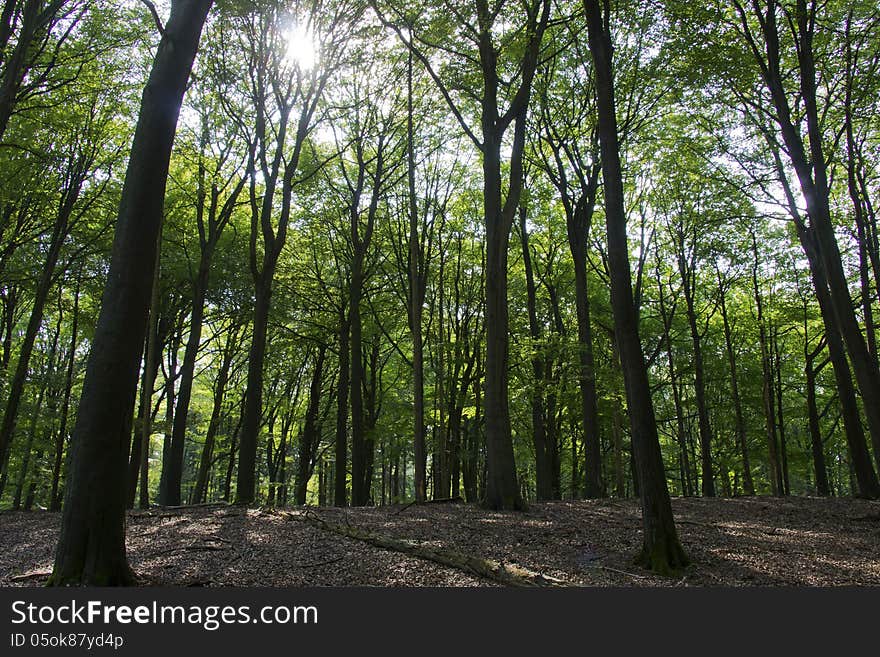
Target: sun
302, 50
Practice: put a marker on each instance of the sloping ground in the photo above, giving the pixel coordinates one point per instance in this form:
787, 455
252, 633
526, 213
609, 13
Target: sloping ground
732, 542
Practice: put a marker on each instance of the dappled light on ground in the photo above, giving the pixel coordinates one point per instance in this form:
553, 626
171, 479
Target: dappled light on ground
738, 542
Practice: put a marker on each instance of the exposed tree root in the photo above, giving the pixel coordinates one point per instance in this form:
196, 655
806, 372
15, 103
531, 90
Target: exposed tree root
507, 574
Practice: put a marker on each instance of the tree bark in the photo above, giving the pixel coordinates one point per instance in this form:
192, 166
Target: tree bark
502, 490
341, 465
816, 443
200, 489
739, 422
539, 436
417, 280
687, 487
687, 269
775, 471
140, 443
91, 546
61, 228
661, 550
61, 438
809, 162
310, 437
860, 458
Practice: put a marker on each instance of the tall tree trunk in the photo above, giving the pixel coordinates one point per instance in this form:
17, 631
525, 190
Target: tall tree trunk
200, 489
617, 440
578, 229
816, 444
140, 442
688, 277
230, 464
780, 413
539, 436
739, 422
809, 163
184, 390
687, 487
860, 458
371, 417
246, 482
502, 490
91, 545
41, 295
358, 455
61, 438
310, 437
661, 550
416, 301
775, 471
341, 464
170, 378
32, 428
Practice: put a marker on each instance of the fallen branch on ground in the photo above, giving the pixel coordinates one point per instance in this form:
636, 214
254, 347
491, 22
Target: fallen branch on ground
445, 500
504, 573
34, 574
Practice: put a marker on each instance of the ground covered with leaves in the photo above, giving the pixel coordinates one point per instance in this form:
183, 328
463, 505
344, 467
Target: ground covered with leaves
752, 541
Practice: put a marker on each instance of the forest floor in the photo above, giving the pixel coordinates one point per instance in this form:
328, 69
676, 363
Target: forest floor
747, 541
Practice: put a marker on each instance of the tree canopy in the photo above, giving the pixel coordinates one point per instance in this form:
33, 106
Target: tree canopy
479, 249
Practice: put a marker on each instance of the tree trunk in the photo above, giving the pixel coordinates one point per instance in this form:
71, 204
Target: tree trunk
817, 448
661, 550
775, 471
739, 422
200, 489
187, 373
91, 546
230, 465
170, 378
416, 301
809, 163
577, 240
502, 490
687, 487
140, 442
860, 458
54, 497
341, 465
358, 455
32, 428
539, 435
780, 413
41, 295
246, 483
688, 288
310, 437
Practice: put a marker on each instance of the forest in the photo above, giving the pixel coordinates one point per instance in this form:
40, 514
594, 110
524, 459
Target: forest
488, 254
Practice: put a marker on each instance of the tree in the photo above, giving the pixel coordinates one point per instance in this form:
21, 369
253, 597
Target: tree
279, 84
216, 200
91, 545
804, 145
567, 127
661, 550
492, 32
